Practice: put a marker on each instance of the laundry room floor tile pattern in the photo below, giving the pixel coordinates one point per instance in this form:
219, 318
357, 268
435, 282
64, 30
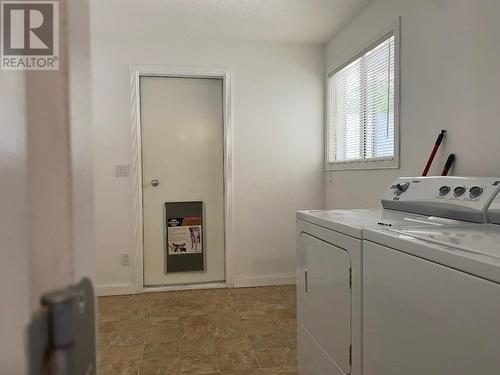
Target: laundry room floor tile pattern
244, 331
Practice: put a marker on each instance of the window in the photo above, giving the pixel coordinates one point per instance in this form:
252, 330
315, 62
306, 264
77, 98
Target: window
362, 124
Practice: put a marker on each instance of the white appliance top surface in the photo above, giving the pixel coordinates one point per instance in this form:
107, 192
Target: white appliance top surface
352, 222
471, 248
483, 239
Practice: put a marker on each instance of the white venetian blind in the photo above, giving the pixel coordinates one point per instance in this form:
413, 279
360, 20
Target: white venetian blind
361, 107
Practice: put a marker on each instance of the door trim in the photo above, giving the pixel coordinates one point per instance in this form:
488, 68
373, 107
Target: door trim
136, 72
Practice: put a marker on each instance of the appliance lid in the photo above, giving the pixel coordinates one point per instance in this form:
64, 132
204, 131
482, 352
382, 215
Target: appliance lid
352, 222
481, 240
471, 248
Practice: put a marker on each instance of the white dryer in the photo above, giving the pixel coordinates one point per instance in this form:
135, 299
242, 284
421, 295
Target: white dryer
431, 299
329, 263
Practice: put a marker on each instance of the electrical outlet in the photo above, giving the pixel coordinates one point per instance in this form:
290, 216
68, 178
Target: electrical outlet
124, 259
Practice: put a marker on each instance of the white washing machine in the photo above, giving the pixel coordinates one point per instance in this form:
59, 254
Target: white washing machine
329, 263
431, 299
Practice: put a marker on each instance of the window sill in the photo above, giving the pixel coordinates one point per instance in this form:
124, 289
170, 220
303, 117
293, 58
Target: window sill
379, 163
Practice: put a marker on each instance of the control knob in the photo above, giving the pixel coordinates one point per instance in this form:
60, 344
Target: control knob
401, 188
459, 191
443, 190
475, 191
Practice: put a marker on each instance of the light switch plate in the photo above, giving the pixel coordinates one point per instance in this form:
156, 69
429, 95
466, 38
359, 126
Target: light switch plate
121, 170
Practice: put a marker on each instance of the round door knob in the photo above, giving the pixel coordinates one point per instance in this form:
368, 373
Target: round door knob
155, 182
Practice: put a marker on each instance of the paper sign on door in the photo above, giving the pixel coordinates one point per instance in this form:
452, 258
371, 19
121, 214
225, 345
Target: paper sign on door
185, 235
184, 248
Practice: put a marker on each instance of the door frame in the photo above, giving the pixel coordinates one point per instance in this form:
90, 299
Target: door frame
136, 72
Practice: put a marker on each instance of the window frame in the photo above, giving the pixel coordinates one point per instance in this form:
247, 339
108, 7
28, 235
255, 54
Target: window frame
380, 162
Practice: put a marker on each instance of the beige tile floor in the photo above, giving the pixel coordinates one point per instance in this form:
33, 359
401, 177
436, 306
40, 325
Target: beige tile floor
245, 331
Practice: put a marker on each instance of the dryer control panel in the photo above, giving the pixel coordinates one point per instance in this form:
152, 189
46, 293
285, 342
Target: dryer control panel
461, 198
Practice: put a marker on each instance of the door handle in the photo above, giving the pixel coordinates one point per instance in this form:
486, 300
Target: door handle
306, 281
155, 182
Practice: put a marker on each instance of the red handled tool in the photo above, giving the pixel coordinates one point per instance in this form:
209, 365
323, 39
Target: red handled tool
433, 153
449, 163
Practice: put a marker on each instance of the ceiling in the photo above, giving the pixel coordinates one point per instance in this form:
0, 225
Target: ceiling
293, 21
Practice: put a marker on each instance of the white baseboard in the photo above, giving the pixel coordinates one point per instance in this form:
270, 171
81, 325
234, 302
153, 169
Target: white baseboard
119, 289
239, 282
169, 288
264, 280
115, 289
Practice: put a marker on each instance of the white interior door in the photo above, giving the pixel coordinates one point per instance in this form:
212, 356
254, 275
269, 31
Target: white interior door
182, 148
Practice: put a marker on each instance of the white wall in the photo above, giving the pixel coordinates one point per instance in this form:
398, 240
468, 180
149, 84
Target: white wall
277, 120
14, 268
83, 236
450, 78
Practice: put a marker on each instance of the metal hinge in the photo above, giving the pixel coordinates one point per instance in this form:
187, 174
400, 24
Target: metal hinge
350, 355
62, 332
350, 278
